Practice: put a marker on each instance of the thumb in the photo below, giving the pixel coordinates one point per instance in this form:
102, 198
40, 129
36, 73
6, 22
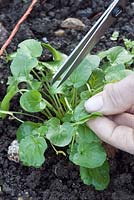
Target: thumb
115, 98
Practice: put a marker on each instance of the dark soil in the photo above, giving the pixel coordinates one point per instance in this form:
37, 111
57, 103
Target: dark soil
58, 179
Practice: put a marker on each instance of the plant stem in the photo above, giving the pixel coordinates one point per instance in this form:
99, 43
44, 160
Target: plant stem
73, 139
67, 103
37, 76
27, 114
74, 97
45, 114
60, 106
11, 114
52, 108
49, 113
97, 90
88, 87
58, 152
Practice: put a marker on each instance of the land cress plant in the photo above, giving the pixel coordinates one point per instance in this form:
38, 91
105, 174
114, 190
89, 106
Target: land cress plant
61, 117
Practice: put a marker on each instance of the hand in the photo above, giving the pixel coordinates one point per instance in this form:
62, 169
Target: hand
116, 103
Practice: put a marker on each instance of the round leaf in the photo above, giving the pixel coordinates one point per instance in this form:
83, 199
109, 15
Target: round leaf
31, 151
82, 73
59, 135
88, 155
30, 47
32, 101
26, 129
98, 177
86, 135
79, 112
22, 65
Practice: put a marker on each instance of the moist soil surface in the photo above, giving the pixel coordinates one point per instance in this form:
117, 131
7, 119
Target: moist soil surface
58, 178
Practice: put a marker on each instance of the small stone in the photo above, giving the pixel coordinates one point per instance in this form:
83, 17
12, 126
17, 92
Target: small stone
73, 23
60, 33
20, 198
13, 151
132, 4
51, 14
45, 40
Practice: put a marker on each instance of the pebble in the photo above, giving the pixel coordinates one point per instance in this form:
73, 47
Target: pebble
132, 4
13, 151
59, 33
73, 23
20, 198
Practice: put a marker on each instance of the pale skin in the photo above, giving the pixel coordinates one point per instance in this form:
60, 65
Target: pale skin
116, 103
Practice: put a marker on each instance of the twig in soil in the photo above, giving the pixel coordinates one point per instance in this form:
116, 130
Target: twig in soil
16, 28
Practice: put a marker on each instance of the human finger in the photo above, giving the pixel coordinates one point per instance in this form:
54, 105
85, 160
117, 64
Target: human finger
114, 99
119, 136
125, 119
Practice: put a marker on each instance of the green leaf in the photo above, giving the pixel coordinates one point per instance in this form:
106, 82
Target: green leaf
31, 48
5, 104
79, 112
98, 177
31, 151
117, 55
82, 73
85, 95
86, 135
55, 89
34, 84
55, 53
41, 131
67, 117
114, 36
114, 76
32, 101
59, 135
115, 68
97, 79
26, 129
22, 65
86, 118
53, 66
88, 155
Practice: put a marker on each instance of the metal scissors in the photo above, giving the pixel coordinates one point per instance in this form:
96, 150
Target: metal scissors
90, 40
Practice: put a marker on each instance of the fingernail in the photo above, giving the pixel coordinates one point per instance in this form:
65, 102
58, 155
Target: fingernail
94, 104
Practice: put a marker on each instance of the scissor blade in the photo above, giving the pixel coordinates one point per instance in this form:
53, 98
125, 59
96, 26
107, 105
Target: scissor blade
88, 42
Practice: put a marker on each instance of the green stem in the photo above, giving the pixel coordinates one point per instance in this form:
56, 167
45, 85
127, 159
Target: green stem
74, 97
55, 100
37, 76
58, 152
45, 114
52, 108
72, 143
67, 103
97, 90
26, 114
60, 106
18, 119
49, 97
12, 115
49, 113
88, 87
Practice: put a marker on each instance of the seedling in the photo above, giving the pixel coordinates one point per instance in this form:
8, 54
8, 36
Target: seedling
60, 117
